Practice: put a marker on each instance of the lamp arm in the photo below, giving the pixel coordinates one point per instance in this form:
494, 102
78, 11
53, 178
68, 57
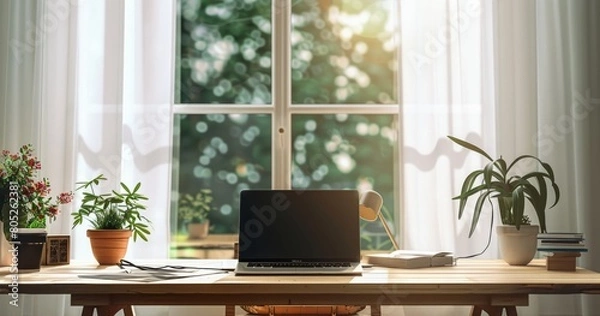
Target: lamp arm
389, 233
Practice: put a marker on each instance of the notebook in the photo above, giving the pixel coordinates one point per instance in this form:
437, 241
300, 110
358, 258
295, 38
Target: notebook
299, 232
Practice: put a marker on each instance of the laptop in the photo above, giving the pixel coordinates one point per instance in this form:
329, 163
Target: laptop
299, 232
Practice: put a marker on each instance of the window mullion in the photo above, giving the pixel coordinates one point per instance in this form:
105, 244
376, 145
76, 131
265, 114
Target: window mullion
281, 14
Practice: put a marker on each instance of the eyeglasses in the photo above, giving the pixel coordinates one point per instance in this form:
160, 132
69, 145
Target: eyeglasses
125, 264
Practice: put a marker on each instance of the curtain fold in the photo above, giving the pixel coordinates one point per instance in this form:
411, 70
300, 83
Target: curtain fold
568, 136
447, 90
21, 81
124, 92
540, 97
88, 83
36, 100
125, 80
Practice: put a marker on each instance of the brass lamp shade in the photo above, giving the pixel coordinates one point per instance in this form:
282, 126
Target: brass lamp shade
369, 209
369, 205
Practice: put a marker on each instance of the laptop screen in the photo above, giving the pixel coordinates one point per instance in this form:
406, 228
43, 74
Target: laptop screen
299, 226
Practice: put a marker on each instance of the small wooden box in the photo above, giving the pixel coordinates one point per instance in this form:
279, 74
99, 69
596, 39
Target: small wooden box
562, 261
57, 250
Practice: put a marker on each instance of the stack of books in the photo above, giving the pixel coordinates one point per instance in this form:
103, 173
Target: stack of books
563, 249
561, 242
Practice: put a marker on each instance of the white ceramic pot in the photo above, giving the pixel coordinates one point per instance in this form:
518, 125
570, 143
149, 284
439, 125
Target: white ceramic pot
517, 247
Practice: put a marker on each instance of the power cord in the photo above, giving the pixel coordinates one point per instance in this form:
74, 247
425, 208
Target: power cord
489, 241
124, 264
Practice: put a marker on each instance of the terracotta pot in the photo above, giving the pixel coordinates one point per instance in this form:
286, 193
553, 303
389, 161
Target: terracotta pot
109, 245
198, 230
518, 247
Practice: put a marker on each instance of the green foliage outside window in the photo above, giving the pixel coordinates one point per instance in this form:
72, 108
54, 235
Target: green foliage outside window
342, 52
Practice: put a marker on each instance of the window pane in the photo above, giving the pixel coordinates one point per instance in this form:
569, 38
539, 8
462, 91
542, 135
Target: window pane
223, 153
224, 51
341, 151
344, 51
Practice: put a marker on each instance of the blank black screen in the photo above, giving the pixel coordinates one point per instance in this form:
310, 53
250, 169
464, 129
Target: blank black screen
299, 225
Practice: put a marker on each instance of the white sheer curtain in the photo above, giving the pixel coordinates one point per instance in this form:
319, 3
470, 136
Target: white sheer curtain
124, 82
88, 83
447, 90
568, 132
36, 106
124, 92
515, 77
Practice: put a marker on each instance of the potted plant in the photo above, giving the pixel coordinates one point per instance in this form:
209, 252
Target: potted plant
193, 211
26, 206
511, 190
114, 216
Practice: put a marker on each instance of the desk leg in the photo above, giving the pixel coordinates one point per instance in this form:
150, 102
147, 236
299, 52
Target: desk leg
229, 310
493, 310
375, 310
108, 310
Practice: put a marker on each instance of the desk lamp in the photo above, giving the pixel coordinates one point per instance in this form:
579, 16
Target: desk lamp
370, 209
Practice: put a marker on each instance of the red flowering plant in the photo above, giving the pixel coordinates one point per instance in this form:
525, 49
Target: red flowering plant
25, 200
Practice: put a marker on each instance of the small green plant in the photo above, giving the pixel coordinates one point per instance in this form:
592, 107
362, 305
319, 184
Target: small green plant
113, 210
194, 208
511, 190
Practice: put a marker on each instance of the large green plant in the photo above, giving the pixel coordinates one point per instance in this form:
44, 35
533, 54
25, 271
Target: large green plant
113, 210
498, 180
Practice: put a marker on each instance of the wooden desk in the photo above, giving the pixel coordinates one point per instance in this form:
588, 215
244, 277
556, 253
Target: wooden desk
485, 284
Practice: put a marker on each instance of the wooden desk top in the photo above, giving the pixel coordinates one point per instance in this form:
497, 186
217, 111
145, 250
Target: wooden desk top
480, 279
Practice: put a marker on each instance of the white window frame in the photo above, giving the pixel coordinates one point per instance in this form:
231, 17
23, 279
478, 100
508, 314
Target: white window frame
282, 109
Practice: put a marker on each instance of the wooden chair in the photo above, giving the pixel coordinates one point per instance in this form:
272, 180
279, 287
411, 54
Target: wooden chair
274, 310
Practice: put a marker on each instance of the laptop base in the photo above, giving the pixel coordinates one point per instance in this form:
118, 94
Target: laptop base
243, 269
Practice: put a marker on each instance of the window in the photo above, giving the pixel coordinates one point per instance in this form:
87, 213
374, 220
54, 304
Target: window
257, 106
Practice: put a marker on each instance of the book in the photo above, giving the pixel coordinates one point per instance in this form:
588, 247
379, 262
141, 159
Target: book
561, 242
575, 236
561, 249
561, 245
411, 259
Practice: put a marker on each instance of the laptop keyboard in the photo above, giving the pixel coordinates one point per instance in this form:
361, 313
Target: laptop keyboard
299, 264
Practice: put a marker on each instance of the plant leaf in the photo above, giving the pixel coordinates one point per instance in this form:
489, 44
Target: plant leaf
556, 194
488, 173
518, 206
477, 211
470, 146
466, 189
